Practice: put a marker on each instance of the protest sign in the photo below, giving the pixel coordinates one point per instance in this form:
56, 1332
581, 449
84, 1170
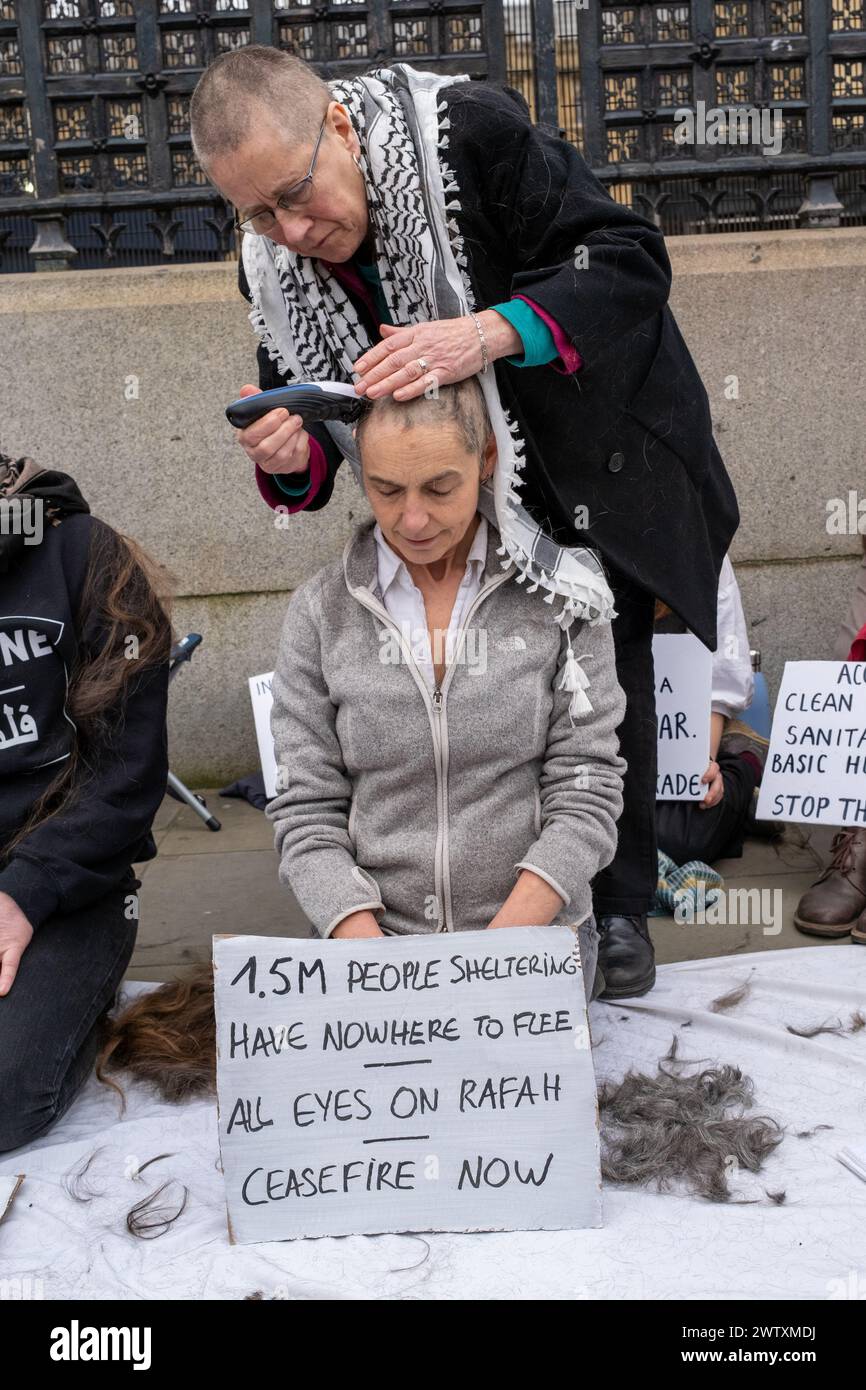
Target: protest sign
405, 1083
816, 766
683, 686
260, 694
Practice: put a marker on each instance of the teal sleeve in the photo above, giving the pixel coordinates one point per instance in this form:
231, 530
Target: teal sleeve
538, 345
291, 491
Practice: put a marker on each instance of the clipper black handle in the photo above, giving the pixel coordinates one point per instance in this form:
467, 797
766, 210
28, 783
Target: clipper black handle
309, 401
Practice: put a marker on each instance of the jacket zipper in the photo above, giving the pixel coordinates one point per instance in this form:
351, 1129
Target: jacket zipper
366, 600
444, 751
438, 718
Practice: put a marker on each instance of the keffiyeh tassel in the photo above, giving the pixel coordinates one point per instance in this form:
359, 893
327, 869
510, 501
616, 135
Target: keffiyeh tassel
576, 682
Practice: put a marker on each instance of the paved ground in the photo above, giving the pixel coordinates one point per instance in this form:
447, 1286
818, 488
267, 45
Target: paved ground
206, 882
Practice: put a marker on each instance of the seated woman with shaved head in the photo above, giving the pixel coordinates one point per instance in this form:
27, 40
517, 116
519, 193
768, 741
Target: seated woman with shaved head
434, 774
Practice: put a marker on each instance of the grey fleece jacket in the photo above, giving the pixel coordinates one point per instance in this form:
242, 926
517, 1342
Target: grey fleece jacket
423, 808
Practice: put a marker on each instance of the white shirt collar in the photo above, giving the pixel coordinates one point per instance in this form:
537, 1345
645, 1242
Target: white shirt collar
392, 569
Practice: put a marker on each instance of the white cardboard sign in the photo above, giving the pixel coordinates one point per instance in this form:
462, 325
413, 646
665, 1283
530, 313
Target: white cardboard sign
408, 1083
260, 694
684, 689
816, 766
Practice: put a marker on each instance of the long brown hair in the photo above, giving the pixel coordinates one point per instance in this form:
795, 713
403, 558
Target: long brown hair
166, 1038
128, 592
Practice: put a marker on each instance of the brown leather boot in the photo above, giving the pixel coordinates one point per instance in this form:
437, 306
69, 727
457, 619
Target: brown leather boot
835, 901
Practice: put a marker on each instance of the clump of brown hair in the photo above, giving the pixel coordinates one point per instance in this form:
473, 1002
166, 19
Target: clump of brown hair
165, 1038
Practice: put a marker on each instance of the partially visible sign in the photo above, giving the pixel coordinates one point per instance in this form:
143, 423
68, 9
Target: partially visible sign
816, 766
684, 692
441, 1082
260, 694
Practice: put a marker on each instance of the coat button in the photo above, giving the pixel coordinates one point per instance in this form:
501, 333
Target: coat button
615, 462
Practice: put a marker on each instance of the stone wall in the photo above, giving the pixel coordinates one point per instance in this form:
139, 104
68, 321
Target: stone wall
121, 377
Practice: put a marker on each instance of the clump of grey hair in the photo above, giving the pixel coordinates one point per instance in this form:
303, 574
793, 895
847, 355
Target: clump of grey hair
460, 405
239, 86
690, 1129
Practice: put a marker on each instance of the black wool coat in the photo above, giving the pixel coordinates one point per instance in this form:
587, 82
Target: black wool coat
627, 439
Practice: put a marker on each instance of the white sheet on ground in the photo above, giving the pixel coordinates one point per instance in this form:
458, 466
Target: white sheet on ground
653, 1245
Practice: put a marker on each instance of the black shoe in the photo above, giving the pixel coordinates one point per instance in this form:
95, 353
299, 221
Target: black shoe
626, 956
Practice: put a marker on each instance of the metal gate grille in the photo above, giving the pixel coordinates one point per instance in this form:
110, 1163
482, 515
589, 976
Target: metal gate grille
805, 59
96, 166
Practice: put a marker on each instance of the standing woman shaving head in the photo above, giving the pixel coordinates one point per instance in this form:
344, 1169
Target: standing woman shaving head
403, 228
84, 649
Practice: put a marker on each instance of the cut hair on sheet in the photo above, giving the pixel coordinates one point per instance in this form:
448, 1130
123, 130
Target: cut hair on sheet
663, 1129
74, 1180
165, 1038
836, 1029
689, 1129
152, 1217
734, 996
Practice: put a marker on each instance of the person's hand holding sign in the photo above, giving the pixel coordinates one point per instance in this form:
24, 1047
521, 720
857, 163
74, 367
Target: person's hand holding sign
15, 936
715, 789
413, 357
712, 776
277, 442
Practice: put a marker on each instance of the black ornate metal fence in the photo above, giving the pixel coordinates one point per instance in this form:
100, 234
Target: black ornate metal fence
96, 166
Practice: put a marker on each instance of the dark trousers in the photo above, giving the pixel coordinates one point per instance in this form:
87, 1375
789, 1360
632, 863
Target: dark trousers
628, 884
49, 1020
686, 832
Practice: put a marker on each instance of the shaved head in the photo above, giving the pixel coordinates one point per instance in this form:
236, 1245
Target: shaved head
240, 86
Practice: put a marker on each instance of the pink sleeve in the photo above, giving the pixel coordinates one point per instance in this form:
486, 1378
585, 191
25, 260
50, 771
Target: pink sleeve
275, 497
571, 358
858, 646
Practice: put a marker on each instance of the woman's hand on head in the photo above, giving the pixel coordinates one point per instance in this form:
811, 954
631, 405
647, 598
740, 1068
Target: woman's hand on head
276, 443
450, 347
15, 936
357, 925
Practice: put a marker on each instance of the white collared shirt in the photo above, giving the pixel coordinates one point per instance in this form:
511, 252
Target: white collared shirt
733, 684
404, 601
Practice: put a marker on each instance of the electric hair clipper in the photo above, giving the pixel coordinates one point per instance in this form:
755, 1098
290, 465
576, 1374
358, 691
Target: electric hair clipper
312, 400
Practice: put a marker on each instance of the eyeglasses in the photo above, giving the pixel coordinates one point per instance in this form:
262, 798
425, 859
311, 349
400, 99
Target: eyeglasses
294, 197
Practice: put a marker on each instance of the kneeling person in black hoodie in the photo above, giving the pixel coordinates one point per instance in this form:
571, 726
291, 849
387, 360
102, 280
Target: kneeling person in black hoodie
84, 651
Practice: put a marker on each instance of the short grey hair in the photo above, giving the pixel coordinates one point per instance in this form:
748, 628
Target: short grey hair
224, 102
460, 406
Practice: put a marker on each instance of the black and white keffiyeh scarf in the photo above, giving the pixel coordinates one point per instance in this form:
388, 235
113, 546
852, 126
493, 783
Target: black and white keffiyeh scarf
310, 327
